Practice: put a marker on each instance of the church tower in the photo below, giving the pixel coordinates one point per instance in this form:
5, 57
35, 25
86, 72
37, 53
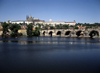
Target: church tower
74, 21
29, 18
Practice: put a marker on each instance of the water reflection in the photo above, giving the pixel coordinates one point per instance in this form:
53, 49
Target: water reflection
53, 42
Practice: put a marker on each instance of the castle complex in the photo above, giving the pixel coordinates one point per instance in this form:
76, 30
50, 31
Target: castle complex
30, 19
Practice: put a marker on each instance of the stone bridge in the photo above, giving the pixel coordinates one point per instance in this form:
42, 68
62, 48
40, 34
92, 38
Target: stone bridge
71, 32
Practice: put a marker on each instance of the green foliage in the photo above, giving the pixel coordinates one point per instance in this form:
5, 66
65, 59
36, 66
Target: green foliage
37, 28
36, 32
14, 28
65, 26
5, 27
94, 25
71, 26
29, 29
76, 27
62, 26
46, 27
51, 27
58, 27
13, 34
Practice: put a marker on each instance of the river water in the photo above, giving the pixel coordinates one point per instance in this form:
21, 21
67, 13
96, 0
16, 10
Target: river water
49, 55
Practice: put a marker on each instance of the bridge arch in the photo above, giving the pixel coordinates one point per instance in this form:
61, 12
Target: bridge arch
67, 32
78, 33
59, 33
44, 33
50, 33
93, 33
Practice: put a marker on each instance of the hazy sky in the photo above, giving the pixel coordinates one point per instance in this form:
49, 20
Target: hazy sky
84, 11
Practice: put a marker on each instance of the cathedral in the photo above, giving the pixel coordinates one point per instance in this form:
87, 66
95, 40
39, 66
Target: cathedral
29, 18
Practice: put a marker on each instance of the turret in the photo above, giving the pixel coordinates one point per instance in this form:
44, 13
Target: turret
74, 21
30, 16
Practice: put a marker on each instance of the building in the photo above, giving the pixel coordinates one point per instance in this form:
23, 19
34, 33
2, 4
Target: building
29, 19
21, 22
53, 23
35, 21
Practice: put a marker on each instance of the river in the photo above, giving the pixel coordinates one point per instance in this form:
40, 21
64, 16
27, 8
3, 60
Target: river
49, 55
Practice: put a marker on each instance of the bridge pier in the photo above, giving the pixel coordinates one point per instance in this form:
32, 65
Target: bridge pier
73, 34
99, 34
62, 34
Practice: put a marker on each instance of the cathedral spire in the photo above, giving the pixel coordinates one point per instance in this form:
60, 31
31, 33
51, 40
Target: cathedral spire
30, 16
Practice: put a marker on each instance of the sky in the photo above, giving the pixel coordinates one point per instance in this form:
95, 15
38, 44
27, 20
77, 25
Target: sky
82, 11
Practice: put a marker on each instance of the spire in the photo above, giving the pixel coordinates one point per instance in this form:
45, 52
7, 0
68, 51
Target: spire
30, 16
74, 21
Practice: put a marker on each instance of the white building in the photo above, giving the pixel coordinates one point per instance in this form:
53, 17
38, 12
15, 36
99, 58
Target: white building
53, 23
37, 21
18, 22
28, 21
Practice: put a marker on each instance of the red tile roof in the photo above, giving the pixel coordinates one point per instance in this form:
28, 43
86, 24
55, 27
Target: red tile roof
55, 21
69, 22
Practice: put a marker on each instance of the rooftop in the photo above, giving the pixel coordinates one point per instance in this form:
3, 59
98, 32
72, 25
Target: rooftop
58, 22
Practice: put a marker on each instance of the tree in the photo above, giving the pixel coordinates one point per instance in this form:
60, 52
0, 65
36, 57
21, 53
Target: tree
5, 27
65, 26
76, 27
36, 32
58, 26
29, 29
51, 27
14, 28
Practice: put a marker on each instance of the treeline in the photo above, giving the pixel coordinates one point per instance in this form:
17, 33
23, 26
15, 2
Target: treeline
60, 26
12, 30
68, 26
88, 25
